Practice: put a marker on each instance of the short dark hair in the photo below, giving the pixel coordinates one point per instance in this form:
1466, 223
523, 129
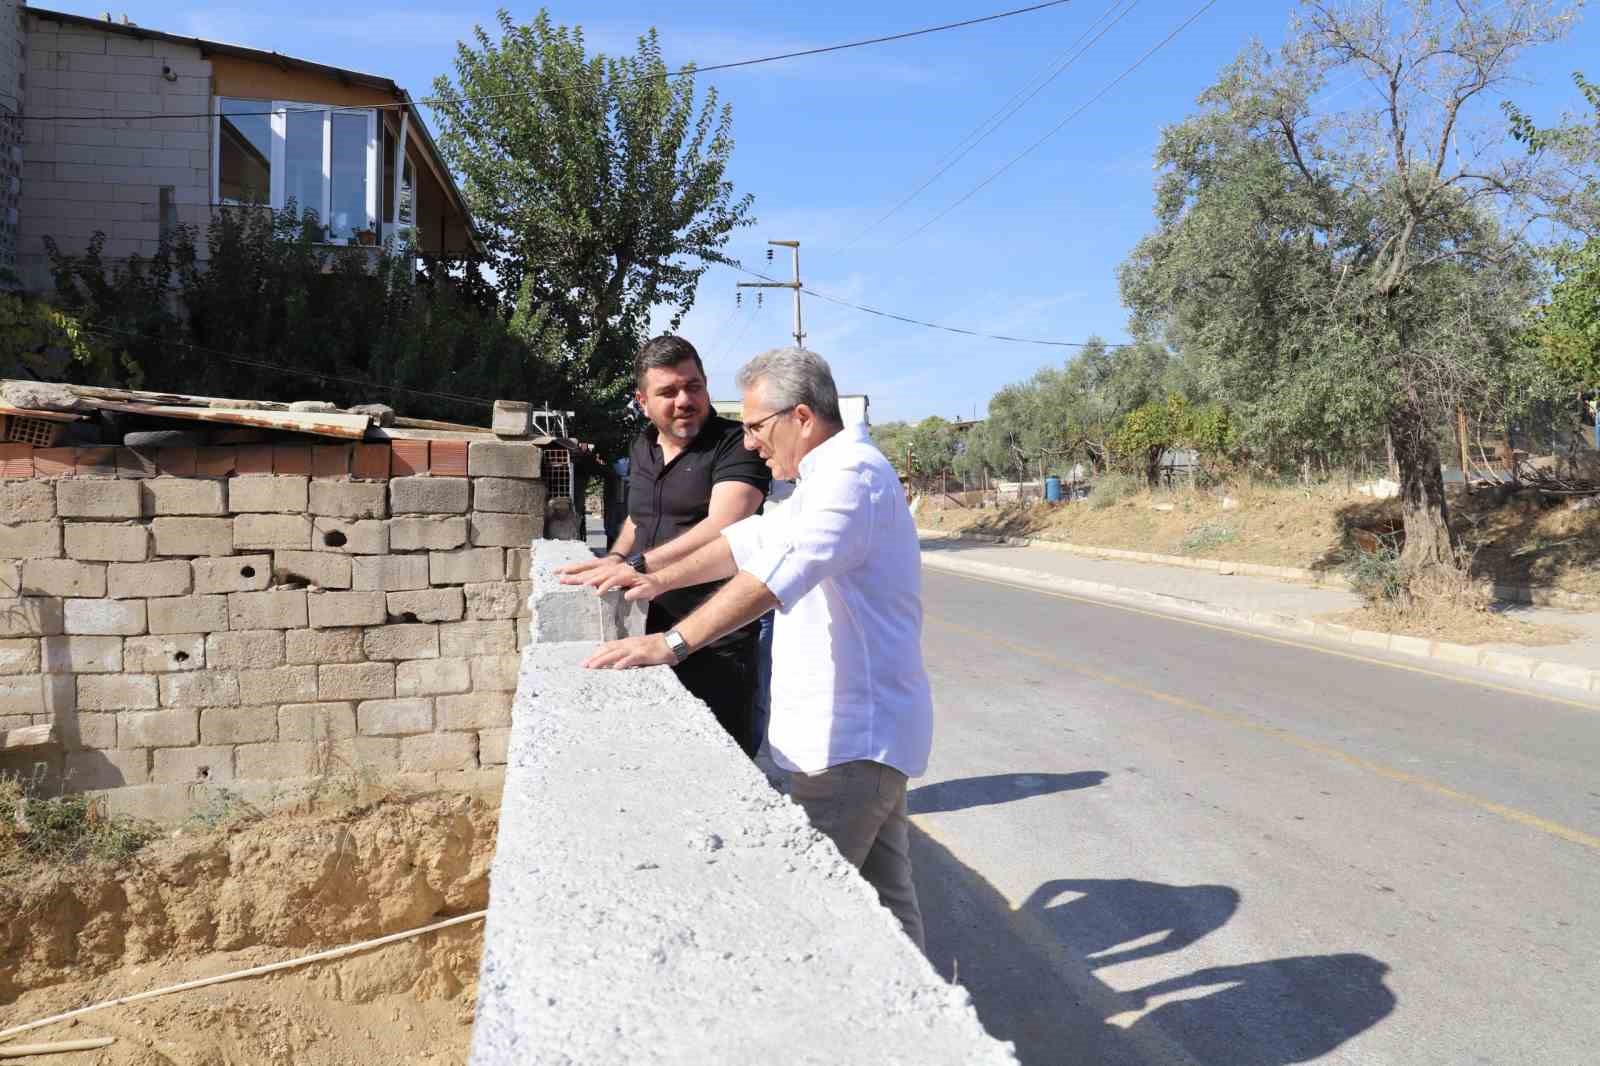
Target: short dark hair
663, 353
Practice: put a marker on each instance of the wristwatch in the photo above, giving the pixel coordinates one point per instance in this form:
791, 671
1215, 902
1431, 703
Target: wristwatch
676, 644
636, 560
618, 556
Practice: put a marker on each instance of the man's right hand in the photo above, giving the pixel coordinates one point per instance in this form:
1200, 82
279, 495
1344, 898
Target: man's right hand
602, 575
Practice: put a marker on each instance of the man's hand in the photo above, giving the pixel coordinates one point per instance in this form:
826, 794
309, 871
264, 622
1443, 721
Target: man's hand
602, 575
650, 650
584, 567
645, 588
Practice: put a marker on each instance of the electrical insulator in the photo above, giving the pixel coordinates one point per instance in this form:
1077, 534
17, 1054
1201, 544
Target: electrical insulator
769, 255
759, 297
738, 299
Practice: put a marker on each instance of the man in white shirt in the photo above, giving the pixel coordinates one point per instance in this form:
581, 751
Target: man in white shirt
852, 716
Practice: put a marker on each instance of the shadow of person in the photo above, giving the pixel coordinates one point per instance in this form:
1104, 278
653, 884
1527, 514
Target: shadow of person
963, 793
1142, 918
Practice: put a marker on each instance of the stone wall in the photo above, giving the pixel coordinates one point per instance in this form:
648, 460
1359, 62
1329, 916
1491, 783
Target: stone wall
264, 612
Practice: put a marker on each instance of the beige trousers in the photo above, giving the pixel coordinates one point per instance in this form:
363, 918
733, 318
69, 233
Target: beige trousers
861, 807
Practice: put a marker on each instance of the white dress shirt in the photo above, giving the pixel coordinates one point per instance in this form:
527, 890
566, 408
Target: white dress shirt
841, 556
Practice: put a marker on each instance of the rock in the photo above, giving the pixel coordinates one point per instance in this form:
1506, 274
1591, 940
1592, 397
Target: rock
1230, 504
380, 413
42, 396
314, 407
1163, 507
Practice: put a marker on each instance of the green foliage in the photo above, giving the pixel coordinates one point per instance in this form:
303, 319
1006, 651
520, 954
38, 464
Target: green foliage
38, 340
1111, 489
1207, 535
38, 829
1147, 431
933, 442
1566, 330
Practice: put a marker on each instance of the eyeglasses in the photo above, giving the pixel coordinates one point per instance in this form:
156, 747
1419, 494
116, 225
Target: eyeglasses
753, 429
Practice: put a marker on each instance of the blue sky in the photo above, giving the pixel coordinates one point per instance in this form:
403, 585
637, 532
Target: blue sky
828, 144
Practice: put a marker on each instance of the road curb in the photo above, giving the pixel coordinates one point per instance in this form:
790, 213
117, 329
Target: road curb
1524, 667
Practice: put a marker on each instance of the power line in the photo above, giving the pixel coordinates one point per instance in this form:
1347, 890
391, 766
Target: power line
691, 69
1062, 124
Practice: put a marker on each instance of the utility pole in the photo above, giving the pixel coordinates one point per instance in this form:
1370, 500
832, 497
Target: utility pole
793, 246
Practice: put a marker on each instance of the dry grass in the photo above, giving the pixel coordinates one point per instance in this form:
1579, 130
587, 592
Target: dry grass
42, 833
1447, 604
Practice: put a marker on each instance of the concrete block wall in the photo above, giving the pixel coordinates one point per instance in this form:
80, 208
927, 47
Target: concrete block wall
264, 612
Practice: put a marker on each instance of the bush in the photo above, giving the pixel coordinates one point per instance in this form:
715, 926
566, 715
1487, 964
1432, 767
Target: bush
1111, 489
36, 829
1207, 535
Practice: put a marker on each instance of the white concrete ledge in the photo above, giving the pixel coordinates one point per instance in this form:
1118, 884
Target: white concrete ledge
653, 900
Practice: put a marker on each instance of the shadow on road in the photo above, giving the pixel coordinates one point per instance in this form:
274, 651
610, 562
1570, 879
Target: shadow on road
967, 792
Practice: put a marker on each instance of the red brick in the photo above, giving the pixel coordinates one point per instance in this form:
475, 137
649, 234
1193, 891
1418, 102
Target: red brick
176, 462
55, 462
330, 460
136, 462
254, 459
448, 458
291, 459
215, 462
408, 458
16, 460
370, 462
236, 435
97, 462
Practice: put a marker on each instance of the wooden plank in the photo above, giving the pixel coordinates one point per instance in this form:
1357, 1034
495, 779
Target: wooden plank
398, 433
94, 392
48, 416
428, 423
29, 736
349, 427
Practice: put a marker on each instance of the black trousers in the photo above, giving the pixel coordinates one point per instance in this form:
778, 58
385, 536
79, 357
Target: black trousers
723, 677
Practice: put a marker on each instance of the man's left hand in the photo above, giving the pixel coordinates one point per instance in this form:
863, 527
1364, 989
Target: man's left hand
648, 650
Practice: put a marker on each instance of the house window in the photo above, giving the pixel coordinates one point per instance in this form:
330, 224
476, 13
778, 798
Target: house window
244, 151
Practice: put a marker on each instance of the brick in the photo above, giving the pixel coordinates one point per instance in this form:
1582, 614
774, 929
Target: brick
104, 617
31, 540
479, 710
176, 462
200, 688
376, 753
98, 499
63, 577
137, 463
268, 495
264, 762
519, 564
439, 751
283, 684
19, 657
23, 695
252, 460
349, 499
394, 718
390, 573
439, 677
271, 531
216, 462
238, 725
16, 461
408, 458
257, 649
430, 605
317, 721
427, 533
36, 616
27, 501
235, 573
96, 462
104, 542
448, 458
119, 692
428, 495
325, 570
81, 655
189, 614
512, 418
164, 655
492, 745
370, 462
495, 673
323, 646
368, 537
177, 765
55, 462
277, 609
107, 769
401, 642
184, 496
193, 536
497, 599
467, 564
508, 495
170, 577
505, 530
10, 579
524, 632
356, 681
503, 459
334, 610
330, 461
292, 459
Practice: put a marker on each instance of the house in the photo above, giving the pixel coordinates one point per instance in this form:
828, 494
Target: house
130, 131
852, 408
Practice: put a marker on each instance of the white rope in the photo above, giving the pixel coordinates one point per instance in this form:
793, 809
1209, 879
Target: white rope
321, 956
22, 1051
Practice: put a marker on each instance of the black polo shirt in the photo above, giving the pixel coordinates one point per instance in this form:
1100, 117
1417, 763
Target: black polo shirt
666, 499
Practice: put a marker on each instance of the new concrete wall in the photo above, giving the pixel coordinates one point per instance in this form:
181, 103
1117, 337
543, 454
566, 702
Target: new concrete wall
653, 900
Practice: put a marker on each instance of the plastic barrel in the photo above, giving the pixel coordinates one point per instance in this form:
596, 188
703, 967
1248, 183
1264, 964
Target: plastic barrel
1052, 489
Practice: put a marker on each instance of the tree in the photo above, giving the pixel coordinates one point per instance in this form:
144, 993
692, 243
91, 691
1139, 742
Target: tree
1336, 273
599, 185
1149, 431
932, 445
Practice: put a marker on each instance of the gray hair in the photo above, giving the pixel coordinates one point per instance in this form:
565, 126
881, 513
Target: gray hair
793, 376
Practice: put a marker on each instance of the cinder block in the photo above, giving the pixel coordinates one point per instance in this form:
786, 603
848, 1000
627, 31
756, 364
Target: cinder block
238, 725
30, 540
119, 692
107, 769
478, 710
317, 646
439, 751
401, 642
524, 632
193, 536
236, 573
468, 564
104, 542
268, 495
495, 673
98, 499
164, 655
492, 744
349, 499
335, 610
519, 564
438, 677
87, 730
463, 640
427, 533
176, 765
258, 649
428, 495
394, 718
280, 760
355, 681
258, 531
63, 577
129, 581
283, 684
508, 495
323, 569
316, 721
512, 418
505, 530
82, 655
376, 753
486, 458
429, 605
368, 537
184, 496
60, 694
19, 656
27, 501
44, 616
10, 579
104, 617
390, 573
274, 609
497, 599
188, 614
200, 688
24, 695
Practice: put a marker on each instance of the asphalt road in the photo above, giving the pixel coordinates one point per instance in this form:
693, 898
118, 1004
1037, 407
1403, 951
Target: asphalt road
1146, 840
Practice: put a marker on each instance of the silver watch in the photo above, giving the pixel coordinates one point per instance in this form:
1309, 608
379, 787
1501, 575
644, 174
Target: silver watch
676, 644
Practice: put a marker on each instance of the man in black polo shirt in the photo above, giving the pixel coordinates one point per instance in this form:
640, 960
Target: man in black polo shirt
689, 477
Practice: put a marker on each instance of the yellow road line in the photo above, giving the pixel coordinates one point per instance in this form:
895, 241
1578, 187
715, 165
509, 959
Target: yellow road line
1511, 814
